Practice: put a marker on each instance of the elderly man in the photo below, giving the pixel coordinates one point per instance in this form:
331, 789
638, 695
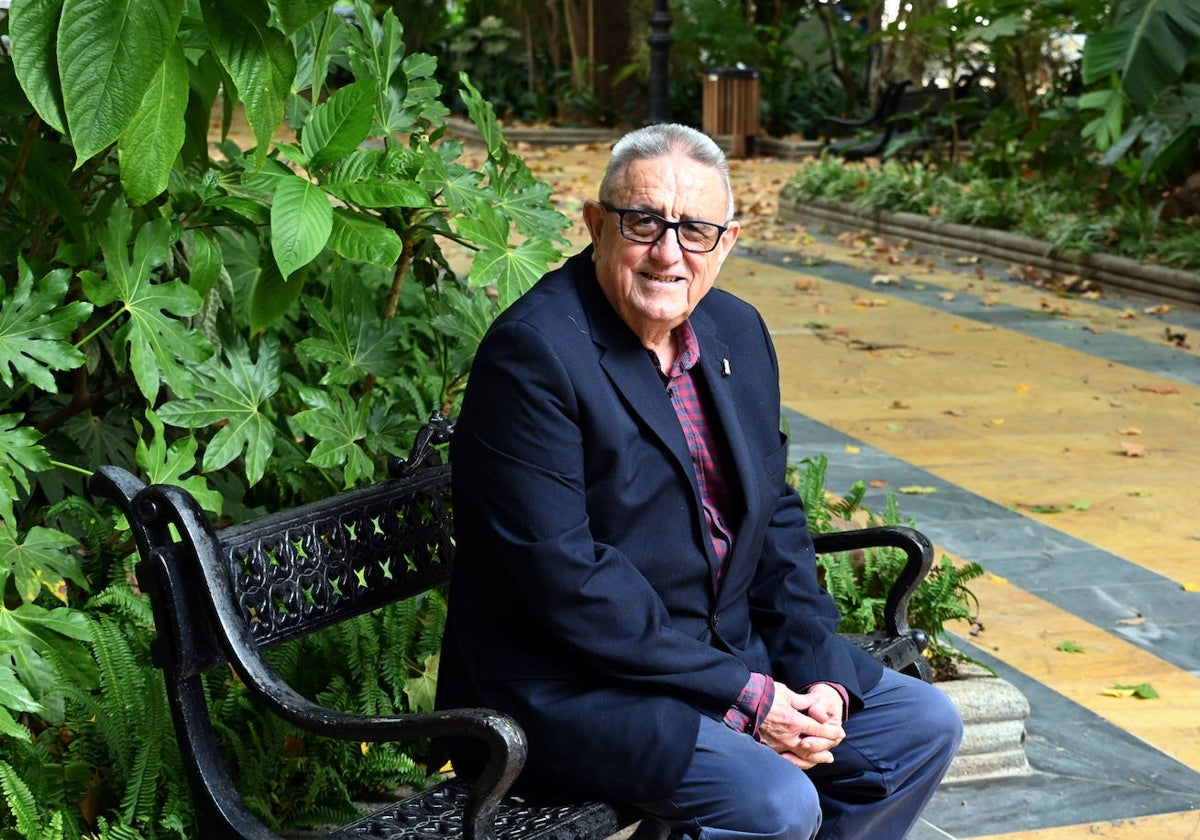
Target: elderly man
634, 581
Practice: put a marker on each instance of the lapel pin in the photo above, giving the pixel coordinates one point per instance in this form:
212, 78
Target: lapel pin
725, 368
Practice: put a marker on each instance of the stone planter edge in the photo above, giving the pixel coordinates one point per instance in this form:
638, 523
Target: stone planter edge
996, 247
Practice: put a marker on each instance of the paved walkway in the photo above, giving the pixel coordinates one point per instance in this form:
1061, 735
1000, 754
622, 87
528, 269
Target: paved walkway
1060, 439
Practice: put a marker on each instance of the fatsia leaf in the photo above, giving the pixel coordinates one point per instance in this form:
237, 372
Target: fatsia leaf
339, 424
301, 220
354, 340
20, 454
484, 117
153, 342
421, 690
33, 28
34, 321
167, 464
525, 200
512, 270
338, 126
459, 187
151, 142
231, 396
108, 52
40, 561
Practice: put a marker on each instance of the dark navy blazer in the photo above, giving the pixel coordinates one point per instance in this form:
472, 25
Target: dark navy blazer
583, 601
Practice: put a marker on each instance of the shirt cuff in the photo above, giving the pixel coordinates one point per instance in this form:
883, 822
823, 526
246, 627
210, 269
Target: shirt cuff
750, 709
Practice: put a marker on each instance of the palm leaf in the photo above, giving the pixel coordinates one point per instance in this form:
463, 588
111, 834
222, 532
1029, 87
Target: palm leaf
1148, 47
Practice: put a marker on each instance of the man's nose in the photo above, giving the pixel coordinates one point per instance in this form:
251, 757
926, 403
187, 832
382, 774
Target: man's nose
667, 246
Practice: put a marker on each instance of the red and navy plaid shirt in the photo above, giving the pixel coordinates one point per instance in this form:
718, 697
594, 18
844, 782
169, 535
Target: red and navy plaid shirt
710, 461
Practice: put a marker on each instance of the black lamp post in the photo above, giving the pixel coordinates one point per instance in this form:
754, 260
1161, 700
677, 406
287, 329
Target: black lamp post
660, 40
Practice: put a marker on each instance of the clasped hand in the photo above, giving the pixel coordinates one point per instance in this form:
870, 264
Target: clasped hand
804, 728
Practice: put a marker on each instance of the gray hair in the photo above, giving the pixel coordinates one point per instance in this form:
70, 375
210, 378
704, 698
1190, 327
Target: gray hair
660, 140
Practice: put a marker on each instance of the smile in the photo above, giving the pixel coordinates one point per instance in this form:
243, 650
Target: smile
658, 278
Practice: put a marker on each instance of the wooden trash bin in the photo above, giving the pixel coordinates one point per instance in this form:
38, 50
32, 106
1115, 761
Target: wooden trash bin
731, 107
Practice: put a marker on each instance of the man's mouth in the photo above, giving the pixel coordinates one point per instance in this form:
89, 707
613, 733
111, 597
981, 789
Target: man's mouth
660, 278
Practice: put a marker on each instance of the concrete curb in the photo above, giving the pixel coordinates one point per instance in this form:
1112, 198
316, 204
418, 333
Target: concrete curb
994, 713
996, 247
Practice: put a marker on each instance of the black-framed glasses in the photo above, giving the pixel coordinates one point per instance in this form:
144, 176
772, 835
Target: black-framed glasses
647, 228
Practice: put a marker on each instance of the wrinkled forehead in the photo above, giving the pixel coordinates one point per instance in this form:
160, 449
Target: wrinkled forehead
674, 185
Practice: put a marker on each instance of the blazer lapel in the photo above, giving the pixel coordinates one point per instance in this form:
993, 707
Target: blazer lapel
628, 367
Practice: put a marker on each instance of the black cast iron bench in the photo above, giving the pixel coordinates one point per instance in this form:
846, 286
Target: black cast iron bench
223, 597
906, 121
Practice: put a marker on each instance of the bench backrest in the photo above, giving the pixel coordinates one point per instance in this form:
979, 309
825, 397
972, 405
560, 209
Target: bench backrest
290, 573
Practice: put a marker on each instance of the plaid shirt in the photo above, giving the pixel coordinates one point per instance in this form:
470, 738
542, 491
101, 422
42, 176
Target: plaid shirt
710, 462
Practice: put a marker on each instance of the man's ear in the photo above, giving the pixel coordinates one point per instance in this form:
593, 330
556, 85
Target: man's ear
593, 217
725, 246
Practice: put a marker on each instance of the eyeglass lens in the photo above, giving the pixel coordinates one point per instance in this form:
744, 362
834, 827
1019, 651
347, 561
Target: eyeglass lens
643, 226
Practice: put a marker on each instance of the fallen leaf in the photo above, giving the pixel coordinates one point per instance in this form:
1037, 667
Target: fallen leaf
852, 449
900, 404
868, 302
1132, 622
1042, 508
1161, 309
917, 490
947, 296
1133, 450
1131, 431
956, 412
1158, 389
1069, 647
885, 280
1144, 691
1082, 504
1022, 389
877, 482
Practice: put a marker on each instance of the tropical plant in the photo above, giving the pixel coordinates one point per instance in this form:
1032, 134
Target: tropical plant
1146, 69
262, 325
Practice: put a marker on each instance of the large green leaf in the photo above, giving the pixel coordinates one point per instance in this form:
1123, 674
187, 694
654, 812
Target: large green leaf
42, 560
33, 29
1148, 47
258, 58
339, 424
364, 238
231, 396
273, 296
293, 14
20, 454
337, 126
167, 464
150, 144
512, 270
35, 320
154, 342
353, 341
301, 220
378, 178
108, 53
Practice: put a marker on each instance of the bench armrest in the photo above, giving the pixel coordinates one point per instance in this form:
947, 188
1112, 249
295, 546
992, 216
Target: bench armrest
919, 551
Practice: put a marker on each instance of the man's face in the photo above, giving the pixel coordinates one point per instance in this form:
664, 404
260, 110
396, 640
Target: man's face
655, 286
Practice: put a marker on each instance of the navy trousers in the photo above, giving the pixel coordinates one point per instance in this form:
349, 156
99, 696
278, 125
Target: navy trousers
896, 750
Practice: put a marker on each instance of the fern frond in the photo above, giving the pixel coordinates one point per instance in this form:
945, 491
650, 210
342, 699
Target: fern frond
22, 804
